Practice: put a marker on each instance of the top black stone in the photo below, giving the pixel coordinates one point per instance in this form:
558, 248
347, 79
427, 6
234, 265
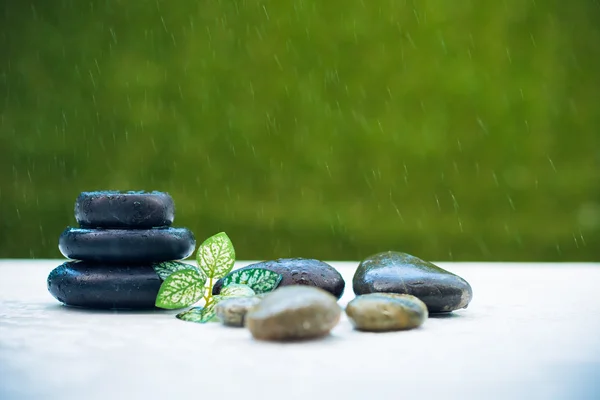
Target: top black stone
127, 209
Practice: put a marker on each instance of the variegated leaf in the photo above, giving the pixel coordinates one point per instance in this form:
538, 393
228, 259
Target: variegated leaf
201, 315
237, 290
166, 268
259, 279
181, 289
216, 256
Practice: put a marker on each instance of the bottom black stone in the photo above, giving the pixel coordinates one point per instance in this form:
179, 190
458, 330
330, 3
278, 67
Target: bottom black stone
105, 286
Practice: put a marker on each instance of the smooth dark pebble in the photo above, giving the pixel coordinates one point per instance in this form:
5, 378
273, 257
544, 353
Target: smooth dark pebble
113, 209
127, 245
104, 286
396, 272
301, 271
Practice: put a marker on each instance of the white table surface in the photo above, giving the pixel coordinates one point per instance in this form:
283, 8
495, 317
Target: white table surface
532, 331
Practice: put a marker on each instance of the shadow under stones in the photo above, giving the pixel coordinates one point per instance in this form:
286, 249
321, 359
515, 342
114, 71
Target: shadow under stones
124, 311
448, 315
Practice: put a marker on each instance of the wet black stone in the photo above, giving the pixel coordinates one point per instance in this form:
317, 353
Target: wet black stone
301, 271
112, 209
395, 272
127, 245
107, 286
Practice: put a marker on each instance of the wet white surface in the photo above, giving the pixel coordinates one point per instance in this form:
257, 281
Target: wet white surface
532, 331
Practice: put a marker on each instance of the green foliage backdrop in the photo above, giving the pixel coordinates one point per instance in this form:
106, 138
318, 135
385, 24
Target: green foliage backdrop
452, 130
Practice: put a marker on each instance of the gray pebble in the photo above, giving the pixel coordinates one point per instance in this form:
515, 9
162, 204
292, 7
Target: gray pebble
294, 313
232, 312
381, 312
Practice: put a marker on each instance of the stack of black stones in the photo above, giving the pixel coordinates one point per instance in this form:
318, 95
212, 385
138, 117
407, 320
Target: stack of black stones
121, 236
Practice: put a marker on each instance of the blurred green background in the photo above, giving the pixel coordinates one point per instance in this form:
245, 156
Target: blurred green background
452, 130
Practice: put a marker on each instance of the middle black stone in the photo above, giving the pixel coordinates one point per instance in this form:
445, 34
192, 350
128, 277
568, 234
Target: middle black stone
130, 245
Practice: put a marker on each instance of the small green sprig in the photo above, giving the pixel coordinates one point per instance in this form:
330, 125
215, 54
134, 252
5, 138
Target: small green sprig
184, 284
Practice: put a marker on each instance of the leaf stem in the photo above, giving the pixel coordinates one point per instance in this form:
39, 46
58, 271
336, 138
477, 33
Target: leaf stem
208, 298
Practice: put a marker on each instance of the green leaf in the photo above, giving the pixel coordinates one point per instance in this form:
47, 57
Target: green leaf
216, 256
181, 289
259, 279
201, 315
237, 290
166, 268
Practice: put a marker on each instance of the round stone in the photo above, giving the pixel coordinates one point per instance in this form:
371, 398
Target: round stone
107, 286
127, 245
112, 209
294, 313
232, 312
395, 272
381, 312
300, 271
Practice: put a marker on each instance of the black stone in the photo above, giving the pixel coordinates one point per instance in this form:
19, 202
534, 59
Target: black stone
127, 245
394, 272
111, 209
107, 286
300, 271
